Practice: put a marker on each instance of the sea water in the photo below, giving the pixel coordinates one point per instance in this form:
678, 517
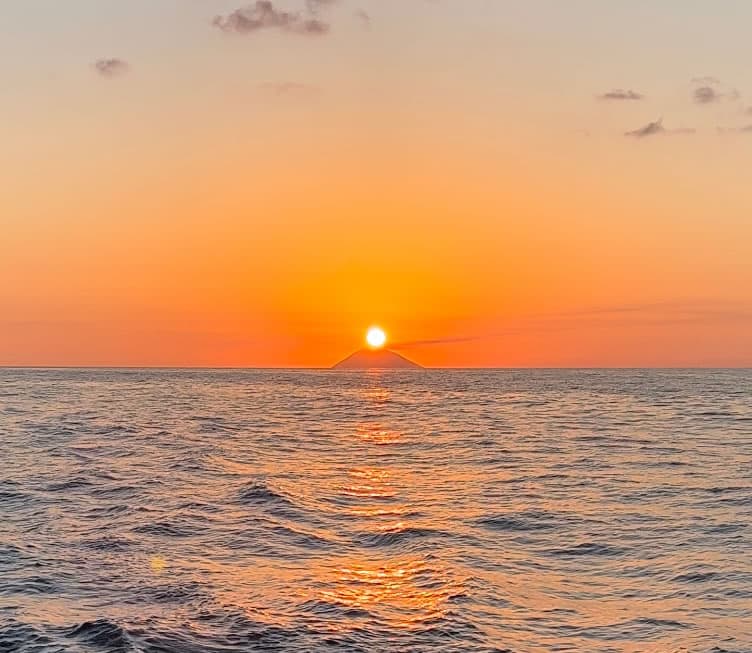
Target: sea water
189, 511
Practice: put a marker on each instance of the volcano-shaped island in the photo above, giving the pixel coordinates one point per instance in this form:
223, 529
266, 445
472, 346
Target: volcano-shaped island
376, 359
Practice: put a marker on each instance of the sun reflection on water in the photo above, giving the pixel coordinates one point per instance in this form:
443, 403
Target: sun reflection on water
378, 395
377, 434
157, 564
394, 587
403, 593
372, 483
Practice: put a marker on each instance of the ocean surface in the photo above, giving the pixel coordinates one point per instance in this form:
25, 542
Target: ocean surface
177, 511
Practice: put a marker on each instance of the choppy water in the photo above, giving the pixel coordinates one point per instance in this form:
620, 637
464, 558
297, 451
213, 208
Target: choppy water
218, 511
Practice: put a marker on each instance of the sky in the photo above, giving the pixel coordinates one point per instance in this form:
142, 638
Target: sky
497, 183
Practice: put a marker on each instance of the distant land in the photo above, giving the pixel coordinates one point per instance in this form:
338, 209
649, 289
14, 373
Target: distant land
381, 359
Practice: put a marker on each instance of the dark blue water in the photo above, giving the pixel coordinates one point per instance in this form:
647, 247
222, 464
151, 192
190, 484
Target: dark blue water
220, 511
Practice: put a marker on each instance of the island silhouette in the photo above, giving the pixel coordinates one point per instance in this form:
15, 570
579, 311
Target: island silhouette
372, 359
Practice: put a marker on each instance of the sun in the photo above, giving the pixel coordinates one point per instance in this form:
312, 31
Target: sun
376, 338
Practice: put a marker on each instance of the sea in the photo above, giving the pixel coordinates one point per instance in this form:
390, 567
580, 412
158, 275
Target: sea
182, 511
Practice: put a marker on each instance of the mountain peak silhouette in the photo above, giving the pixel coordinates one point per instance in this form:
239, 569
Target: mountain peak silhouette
377, 359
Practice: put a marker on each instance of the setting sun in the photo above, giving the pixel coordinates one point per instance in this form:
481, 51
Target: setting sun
376, 338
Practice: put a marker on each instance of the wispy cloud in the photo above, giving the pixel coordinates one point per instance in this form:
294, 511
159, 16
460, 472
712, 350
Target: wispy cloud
263, 15
289, 88
707, 80
651, 129
315, 5
621, 94
657, 313
745, 129
364, 17
111, 67
656, 128
441, 341
706, 95
710, 90
698, 308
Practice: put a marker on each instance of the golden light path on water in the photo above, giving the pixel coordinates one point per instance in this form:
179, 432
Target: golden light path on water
400, 592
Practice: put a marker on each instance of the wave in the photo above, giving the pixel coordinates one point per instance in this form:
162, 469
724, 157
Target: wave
9, 497
77, 483
329, 610
399, 536
171, 592
587, 549
9, 553
18, 636
522, 521
104, 634
166, 529
116, 492
289, 535
696, 577
108, 543
259, 492
28, 586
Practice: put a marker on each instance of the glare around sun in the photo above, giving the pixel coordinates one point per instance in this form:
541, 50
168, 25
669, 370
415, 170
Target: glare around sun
376, 338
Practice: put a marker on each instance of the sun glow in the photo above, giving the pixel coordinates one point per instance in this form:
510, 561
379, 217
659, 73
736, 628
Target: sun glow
376, 338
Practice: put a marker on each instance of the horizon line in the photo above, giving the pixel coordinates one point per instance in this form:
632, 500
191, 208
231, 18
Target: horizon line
331, 368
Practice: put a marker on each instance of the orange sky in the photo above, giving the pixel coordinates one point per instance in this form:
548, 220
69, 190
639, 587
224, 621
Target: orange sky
259, 199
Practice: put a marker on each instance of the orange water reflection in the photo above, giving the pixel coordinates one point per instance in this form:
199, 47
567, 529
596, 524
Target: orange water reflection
157, 564
379, 395
371, 473
395, 588
368, 492
372, 483
377, 434
397, 511
402, 593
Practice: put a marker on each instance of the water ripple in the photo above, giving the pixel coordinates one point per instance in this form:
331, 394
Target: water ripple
164, 511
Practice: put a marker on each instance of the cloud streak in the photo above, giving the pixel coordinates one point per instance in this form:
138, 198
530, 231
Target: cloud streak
656, 128
263, 15
658, 313
619, 94
288, 88
364, 17
745, 129
315, 5
651, 129
707, 80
